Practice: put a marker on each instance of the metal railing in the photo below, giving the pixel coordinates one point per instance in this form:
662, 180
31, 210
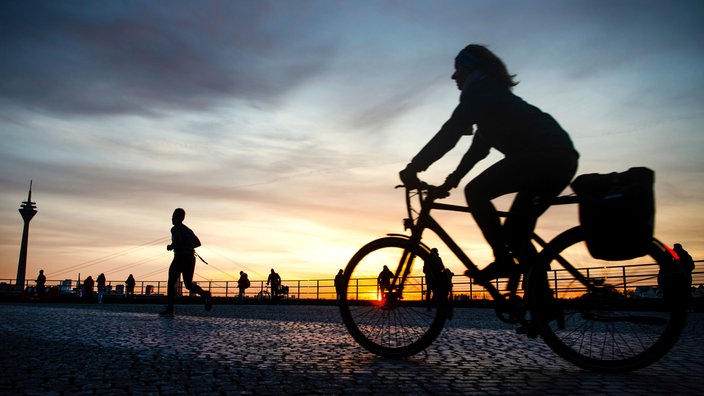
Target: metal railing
635, 279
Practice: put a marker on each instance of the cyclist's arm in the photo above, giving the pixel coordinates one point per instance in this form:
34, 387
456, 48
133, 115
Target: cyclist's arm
477, 152
459, 124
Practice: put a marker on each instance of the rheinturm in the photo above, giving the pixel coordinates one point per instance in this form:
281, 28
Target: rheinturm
27, 210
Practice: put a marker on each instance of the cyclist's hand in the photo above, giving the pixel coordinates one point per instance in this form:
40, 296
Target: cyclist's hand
451, 181
442, 191
409, 177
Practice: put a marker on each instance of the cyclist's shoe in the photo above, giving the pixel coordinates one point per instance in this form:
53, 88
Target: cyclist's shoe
167, 313
497, 269
208, 301
529, 329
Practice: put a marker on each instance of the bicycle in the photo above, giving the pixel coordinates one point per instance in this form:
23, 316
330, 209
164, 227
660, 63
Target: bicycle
595, 326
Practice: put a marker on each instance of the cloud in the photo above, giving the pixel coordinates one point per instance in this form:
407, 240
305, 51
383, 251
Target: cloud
281, 126
87, 58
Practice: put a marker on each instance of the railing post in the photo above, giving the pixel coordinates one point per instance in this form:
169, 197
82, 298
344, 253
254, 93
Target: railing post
422, 288
625, 290
317, 289
554, 276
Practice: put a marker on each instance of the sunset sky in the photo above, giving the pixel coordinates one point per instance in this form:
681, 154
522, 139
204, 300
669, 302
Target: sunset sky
280, 126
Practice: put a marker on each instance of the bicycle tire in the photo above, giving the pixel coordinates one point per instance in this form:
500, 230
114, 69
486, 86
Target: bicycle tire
606, 330
389, 328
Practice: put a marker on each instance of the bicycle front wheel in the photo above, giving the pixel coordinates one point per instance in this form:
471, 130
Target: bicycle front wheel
595, 317
398, 323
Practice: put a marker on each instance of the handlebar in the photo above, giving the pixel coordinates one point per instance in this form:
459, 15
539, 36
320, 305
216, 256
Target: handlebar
427, 194
431, 192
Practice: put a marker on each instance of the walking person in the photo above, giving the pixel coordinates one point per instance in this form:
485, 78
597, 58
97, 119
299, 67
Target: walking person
129, 286
338, 283
686, 261
243, 283
275, 281
41, 284
100, 281
384, 279
88, 284
183, 243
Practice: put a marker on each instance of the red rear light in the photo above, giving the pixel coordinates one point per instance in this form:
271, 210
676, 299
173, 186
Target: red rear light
672, 252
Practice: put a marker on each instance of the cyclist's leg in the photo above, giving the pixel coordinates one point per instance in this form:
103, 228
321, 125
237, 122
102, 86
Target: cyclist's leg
499, 179
541, 180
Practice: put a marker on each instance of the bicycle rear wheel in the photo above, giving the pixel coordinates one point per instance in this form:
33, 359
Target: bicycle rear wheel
608, 326
393, 324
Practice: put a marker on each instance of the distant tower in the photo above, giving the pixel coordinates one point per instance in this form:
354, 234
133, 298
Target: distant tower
27, 211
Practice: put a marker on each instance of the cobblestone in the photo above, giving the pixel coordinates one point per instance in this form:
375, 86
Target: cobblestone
121, 349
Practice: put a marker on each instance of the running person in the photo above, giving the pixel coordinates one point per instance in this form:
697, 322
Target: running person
183, 244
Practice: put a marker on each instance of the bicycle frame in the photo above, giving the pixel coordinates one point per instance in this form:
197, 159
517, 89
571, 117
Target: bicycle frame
597, 327
425, 221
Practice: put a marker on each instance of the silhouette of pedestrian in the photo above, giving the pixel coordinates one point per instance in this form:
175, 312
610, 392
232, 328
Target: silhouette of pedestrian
129, 286
686, 261
101, 287
430, 283
243, 283
183, 243
41, 284
384, 279
433, 284
88, 287
338, 283
275, 281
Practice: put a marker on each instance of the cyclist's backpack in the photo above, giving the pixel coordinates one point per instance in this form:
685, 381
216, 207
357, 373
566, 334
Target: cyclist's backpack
617, 212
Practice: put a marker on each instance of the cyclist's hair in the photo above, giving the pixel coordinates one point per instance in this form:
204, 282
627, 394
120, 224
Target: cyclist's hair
490, 64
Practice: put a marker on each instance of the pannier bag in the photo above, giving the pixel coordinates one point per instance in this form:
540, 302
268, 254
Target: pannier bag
617, 211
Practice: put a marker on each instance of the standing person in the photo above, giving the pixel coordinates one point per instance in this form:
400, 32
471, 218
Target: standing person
88, 287
338, 283
101, 287
41, 284
242, 284
539, 157
686, 261
384, 279
275, 281
430, 283
129, 286
183, 243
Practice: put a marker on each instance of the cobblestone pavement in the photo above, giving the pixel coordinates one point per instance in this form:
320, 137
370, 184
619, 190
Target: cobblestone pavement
64, 349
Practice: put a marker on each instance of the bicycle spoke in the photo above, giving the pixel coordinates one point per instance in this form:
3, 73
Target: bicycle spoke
605, 328
399, 324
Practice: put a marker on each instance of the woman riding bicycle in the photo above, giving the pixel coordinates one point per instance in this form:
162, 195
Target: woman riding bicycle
540, 159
